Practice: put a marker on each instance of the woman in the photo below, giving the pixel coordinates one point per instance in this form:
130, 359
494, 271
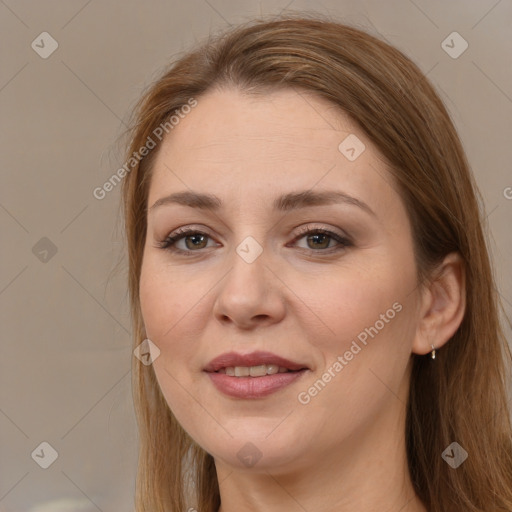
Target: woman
310, 278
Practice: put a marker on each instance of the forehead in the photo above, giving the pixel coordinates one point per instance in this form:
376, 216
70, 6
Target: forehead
272, 121
288, 139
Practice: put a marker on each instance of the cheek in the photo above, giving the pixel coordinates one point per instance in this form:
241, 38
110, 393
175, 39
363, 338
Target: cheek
165, 299
168, 321
173, 315
347, 304
368, 325
370, 320
154, 295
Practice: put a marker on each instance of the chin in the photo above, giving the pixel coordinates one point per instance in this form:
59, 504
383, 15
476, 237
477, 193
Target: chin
257, 451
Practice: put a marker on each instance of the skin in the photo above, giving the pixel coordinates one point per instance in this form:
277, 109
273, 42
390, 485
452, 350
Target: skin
344, 450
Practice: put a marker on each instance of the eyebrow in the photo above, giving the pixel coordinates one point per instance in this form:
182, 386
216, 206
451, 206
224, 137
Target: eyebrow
284, 203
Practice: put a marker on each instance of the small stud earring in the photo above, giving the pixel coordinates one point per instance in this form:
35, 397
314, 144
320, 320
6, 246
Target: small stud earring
433, 353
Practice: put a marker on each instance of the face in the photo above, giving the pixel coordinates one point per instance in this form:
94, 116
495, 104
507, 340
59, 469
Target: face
274, 267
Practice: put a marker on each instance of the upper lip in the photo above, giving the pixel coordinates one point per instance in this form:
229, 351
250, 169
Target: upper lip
231, 359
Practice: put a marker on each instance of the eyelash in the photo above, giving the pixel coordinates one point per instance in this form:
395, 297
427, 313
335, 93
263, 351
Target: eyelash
169, 242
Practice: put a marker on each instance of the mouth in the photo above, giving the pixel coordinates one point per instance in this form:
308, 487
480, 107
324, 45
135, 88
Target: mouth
255, 371
254, 375
255, 364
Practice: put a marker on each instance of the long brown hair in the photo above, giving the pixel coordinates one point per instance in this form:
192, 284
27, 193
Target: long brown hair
463, 396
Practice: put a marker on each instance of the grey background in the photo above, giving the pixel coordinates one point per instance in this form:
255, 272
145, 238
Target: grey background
66, 347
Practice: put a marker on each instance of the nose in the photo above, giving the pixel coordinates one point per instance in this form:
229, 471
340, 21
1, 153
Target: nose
251, 294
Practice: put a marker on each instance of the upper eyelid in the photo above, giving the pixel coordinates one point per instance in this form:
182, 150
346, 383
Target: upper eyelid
303, 230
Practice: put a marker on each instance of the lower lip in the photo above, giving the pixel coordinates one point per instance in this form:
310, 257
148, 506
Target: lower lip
253, 387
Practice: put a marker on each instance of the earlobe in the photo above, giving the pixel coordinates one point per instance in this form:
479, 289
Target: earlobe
443, 305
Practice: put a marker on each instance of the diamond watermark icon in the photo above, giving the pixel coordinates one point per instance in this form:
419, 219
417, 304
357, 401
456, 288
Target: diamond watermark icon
44, 250
249, 455
147, 352
351, 147
454, 45
249, 249
454, 455
44, 45
45, 455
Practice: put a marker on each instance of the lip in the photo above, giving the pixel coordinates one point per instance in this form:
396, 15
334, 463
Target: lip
253, 359
252, 387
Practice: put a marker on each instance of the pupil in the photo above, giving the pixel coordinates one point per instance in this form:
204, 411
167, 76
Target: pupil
194, 244
321, 235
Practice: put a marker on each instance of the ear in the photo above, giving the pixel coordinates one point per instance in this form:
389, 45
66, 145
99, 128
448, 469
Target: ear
442, 307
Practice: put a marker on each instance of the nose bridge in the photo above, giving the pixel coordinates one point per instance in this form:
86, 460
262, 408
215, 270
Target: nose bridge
248, 261
248, 290
249, 250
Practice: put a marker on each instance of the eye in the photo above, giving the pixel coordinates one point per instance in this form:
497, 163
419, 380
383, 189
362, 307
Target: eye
319, 240
193, 239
